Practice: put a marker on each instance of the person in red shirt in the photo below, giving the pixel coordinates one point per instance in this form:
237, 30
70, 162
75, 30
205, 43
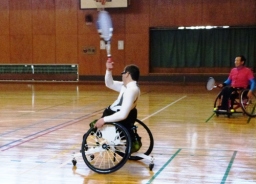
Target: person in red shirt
239, 77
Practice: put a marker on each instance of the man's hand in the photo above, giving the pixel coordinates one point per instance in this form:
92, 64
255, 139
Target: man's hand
99, 123
109, 64
220, 85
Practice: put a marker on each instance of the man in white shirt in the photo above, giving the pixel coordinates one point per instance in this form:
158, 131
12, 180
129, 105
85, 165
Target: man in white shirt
123, 110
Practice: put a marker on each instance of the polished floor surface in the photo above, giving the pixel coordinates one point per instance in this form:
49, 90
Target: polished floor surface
41, 125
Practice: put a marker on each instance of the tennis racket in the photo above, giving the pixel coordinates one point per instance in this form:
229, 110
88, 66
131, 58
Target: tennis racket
105, 29
210, 84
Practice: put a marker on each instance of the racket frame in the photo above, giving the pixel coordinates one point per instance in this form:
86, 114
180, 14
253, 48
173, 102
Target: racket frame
211, 82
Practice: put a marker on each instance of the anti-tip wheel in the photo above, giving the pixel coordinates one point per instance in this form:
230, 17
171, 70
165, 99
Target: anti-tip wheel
74, 162
151, 166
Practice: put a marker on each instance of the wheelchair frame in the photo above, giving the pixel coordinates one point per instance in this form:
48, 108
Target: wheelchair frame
107, 149
247, 105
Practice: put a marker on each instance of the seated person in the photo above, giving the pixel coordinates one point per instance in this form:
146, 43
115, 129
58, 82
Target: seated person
239, 77
123, 110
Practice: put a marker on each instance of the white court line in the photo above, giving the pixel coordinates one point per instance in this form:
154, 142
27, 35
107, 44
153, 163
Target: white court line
26, 111
164, 108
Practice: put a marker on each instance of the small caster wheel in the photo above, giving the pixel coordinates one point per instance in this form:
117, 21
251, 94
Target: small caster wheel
151, 166
74, 162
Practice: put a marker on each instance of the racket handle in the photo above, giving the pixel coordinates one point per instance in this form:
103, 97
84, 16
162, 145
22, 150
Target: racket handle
108, 49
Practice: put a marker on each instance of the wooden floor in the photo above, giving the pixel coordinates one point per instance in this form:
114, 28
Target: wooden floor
41, 125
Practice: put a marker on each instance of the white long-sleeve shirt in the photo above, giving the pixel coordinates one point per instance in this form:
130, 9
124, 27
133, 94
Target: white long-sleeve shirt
130, 95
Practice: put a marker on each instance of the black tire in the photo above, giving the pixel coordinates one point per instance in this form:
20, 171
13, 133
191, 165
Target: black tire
99, 151
216, 101
248, 105
216, 104
146, 139
74, 162
151, 166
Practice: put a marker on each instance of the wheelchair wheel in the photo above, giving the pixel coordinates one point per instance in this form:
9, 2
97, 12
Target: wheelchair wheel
248, 105
217, 104
101, 147
146, 139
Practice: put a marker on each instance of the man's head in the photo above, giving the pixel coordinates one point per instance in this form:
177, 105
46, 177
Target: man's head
131, 73
240, 61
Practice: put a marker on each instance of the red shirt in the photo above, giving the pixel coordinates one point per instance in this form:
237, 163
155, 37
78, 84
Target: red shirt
240, 77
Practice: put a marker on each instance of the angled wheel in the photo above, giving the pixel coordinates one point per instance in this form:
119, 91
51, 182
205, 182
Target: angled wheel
99, 148
248, 105
217, 103
146, 139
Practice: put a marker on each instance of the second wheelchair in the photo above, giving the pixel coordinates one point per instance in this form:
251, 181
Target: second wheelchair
239, 103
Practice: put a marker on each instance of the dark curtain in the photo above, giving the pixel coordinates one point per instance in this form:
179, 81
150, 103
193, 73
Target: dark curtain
201, 47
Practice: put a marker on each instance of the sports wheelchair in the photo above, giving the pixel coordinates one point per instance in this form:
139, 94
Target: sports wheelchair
239, 101
105, 150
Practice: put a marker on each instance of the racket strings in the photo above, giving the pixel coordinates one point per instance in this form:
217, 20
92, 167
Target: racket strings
210, 84
105, 29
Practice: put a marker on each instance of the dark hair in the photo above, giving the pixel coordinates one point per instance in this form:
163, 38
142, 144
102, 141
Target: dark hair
134, 71
242, 58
